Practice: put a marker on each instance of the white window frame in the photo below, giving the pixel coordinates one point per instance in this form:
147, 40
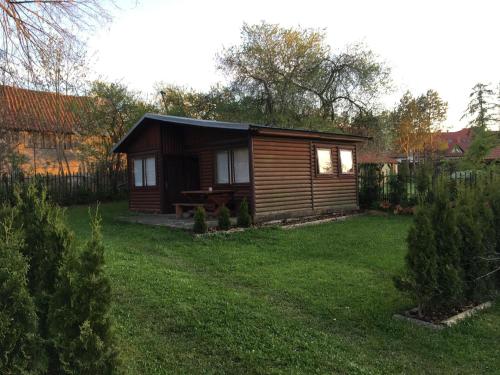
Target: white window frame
144, 168
353, 169
318, 169
231, 169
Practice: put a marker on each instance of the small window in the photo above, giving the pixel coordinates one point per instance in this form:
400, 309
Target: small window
346, 162
150, 172
145, 172
223, 167
240, 166
138, 172
324, 156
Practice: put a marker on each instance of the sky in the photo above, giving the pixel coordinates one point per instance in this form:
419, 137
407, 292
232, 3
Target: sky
447, 46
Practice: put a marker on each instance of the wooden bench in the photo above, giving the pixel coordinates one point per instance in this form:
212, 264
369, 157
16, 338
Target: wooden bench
179, 207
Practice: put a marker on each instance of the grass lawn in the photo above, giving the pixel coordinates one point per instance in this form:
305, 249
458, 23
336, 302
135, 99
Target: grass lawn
316, 299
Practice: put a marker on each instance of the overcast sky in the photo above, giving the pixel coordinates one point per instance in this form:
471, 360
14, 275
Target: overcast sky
444, 45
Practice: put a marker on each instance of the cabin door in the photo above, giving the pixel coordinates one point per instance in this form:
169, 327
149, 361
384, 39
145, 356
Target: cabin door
181, 173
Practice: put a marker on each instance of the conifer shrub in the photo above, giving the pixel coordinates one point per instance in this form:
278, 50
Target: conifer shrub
446, 237
420, 279
474, 223
423, 180
80, 324
224, 218
47, 240
200, 220
244, 218
19, 343
397, 189
369, 191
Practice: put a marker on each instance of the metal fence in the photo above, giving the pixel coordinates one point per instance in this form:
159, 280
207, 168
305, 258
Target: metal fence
375, 186
70, 188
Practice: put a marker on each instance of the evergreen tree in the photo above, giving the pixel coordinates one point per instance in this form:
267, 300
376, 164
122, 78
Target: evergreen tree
47, 240
420, 280
244, 218
224, 218
80, 324
473, 222
200, 221
19, 344
446, 237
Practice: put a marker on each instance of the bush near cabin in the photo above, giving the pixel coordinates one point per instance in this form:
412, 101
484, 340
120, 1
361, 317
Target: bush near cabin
451, 246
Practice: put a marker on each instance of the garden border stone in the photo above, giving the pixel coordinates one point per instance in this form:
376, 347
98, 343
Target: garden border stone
451, 321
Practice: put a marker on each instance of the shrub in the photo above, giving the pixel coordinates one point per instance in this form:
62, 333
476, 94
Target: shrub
423, 180
420, 279
80, 324
446, 237
200, 220
244, 218
473, 226
397, 189
19, 344
224, 218
370, 188
47, 241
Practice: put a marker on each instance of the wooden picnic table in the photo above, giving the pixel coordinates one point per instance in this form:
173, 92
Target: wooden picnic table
212, 200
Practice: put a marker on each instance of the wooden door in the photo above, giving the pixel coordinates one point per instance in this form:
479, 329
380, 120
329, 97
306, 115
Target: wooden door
181, 173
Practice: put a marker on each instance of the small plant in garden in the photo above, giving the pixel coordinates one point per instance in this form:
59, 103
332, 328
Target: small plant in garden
420, 279
200, 220
244, 218
224, 218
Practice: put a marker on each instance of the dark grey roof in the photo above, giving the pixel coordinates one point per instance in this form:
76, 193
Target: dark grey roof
220, 125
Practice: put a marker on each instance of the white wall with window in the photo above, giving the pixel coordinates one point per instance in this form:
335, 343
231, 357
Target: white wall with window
232, 166
145, 171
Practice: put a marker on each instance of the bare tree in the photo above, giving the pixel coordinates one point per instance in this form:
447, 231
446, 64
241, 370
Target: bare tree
62, 71
27, 29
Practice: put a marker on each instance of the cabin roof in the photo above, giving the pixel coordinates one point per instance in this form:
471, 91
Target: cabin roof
265, 129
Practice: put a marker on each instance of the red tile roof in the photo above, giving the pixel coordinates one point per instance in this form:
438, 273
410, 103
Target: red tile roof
461, 138
494, 154
371, 157
23, 109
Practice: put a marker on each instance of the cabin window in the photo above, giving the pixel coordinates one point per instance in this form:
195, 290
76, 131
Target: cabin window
346, 162
324, 158
232, 166
145, 172
240, 166
223, 167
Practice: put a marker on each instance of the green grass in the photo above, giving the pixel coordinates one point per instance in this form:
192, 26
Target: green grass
316, 299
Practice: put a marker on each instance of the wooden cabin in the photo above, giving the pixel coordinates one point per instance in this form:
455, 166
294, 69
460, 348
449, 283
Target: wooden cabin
282, 172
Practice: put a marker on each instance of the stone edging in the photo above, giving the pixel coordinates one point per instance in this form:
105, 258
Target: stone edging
447, 322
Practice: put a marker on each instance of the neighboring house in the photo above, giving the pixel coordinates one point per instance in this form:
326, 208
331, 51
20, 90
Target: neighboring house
386, 163
455, 144
282, 172
41, 128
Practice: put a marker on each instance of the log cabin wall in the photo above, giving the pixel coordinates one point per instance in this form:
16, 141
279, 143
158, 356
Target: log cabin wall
146, 143
286, 183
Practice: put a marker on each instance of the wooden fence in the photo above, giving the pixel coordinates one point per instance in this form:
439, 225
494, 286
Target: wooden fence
70, 188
